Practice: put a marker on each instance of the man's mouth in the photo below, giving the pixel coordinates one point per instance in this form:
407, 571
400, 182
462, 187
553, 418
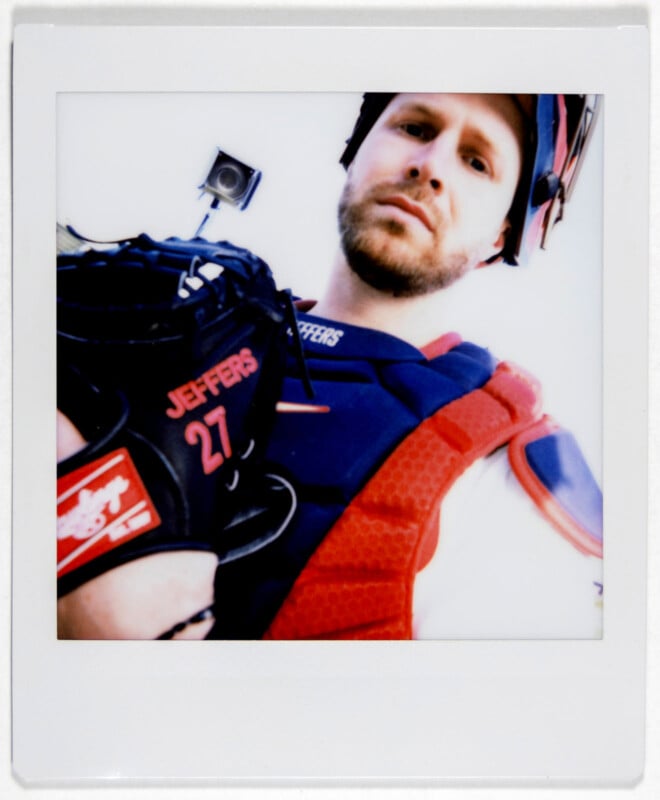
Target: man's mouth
409, 206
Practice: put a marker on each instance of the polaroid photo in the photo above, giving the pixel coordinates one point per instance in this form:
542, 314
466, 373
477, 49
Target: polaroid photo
330, 420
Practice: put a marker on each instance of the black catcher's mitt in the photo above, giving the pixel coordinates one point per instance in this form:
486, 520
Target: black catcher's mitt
170, 359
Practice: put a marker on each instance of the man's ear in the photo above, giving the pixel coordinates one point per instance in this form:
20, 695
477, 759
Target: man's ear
493, 253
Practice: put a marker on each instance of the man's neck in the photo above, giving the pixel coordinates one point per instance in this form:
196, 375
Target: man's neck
349, 299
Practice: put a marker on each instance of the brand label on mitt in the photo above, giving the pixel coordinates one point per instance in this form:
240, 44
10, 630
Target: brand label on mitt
100, 506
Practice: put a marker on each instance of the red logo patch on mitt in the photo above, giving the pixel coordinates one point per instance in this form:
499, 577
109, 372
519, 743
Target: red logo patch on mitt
100, 506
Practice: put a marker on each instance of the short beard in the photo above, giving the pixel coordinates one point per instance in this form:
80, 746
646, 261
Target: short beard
411, 276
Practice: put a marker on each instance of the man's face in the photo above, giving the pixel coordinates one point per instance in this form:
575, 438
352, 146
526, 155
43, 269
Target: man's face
427, 195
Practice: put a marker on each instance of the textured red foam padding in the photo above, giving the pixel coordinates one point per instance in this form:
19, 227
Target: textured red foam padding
359, 582
366, 543
474, 424
517, 390
400, 487
429, 541
325, 605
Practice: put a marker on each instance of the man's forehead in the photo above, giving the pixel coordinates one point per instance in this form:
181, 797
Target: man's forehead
486, 109
506, 105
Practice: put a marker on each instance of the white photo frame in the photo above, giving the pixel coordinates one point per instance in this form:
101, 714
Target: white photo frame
460, 705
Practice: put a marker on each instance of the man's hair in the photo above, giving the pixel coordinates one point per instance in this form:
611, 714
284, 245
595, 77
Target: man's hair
373, 105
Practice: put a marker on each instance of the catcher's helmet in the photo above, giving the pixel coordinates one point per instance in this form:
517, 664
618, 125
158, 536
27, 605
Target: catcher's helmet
558, 130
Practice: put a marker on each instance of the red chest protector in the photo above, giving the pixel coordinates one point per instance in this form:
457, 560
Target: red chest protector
359, 582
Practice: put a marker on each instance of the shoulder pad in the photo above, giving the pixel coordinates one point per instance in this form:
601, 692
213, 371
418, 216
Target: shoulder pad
548, 462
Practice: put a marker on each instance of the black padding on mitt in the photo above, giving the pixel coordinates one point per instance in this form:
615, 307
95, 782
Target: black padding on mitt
170, 361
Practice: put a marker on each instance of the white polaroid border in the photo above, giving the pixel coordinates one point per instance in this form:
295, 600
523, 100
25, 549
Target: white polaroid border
253, 712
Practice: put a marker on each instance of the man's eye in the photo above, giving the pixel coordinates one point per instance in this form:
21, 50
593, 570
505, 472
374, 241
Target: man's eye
476, 163
417, 131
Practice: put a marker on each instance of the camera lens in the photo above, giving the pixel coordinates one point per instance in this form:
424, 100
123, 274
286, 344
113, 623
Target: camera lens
230, 180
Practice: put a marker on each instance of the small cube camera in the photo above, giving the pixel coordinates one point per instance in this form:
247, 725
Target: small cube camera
231, 180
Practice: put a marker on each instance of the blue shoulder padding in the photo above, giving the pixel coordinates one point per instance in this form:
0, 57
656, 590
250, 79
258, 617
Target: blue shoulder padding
478, 355
558, 463
464, 368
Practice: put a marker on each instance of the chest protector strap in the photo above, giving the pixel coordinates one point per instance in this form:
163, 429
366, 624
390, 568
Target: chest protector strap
359, 582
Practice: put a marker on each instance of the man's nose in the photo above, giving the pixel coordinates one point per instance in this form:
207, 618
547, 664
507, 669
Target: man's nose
431, 163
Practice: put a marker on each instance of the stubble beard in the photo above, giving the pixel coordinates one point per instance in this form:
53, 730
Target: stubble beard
380, 253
